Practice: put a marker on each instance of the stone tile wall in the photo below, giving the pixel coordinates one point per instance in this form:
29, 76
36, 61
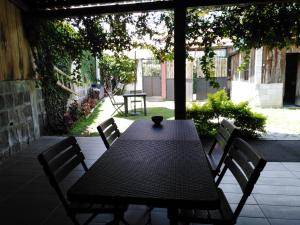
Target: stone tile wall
22, 115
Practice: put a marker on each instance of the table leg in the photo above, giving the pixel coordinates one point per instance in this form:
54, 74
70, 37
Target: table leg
126, 105
145, 108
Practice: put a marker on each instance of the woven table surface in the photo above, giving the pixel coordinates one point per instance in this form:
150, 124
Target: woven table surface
169, 130
161, 172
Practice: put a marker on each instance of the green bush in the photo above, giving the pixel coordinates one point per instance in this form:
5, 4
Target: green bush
207, 117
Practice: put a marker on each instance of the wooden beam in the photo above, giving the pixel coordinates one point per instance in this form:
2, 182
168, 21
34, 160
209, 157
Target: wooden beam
61, 10
69, 3
98, 10
21, 5
179, 62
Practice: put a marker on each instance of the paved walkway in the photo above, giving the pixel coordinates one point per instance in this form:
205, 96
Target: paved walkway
26, 197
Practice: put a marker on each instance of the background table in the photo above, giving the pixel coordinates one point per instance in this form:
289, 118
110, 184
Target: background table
166, 172
137, 94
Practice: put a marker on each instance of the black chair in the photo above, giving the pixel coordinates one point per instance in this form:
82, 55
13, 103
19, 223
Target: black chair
245, 164
108, 131
115, 104
58, 161
222, 141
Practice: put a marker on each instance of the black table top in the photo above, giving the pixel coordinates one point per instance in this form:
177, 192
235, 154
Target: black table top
137, 94
162, 173
182, 130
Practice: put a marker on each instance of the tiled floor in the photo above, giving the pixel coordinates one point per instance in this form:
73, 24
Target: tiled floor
27, 199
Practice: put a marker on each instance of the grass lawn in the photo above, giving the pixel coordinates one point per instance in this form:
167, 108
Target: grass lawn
80, 127
151, 111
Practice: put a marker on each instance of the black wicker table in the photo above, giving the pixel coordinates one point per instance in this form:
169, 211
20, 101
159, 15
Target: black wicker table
161, 168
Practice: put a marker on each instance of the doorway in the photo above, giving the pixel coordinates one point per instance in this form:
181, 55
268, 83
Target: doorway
290, 84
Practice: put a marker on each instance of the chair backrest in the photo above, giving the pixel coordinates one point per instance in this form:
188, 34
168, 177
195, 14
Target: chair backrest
245, 164
225, 134
223, 139
59, 160
108, 131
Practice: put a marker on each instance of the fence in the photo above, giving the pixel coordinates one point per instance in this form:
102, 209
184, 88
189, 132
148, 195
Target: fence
195, 79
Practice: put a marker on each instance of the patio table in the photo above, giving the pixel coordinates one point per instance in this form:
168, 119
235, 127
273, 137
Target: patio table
161, 167
136, 94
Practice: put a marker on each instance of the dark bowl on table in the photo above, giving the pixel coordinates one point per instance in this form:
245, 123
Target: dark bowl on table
157, 120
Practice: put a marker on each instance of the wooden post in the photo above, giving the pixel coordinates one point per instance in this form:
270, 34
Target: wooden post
179, 61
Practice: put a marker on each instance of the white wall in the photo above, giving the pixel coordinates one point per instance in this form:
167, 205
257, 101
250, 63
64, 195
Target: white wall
261, 95
139, 74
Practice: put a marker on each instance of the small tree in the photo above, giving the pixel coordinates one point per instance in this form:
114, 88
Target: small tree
119, 68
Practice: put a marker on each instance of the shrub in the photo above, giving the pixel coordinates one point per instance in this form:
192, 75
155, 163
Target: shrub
75, 111
85, 107
92, 102
68, 121
94, 93
208, 116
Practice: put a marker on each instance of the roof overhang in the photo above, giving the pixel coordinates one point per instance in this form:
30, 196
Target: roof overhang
72, 8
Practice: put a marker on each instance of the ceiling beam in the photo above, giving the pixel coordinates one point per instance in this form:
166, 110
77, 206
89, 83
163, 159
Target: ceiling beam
98, 10
138, 7
21, 5
68, 3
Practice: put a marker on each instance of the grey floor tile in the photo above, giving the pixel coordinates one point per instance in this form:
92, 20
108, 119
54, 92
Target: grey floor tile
252, 221
284, 222
279, 181
250, 211
27, 209
281, 212
278, 174
229, 180
159, 219
4, 196
283, 200
230, 188
281, 190
292, 166
235, 198
39, 185
275, 166
12, 184
57, 217
36, 203
297, 174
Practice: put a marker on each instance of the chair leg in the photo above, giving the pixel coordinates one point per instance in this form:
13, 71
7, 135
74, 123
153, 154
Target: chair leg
90, 219
149, 222
118, 217
74, 220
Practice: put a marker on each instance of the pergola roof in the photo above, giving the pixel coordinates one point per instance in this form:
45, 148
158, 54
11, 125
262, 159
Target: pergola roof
66, 8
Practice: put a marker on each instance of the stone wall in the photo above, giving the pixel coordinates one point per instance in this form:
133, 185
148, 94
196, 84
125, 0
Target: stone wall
22, 115
259, 95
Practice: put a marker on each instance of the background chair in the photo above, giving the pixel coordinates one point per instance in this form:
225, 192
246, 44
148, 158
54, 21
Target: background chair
108, 131
136, 99
222, 141
116, 105
246, 165
58, 161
